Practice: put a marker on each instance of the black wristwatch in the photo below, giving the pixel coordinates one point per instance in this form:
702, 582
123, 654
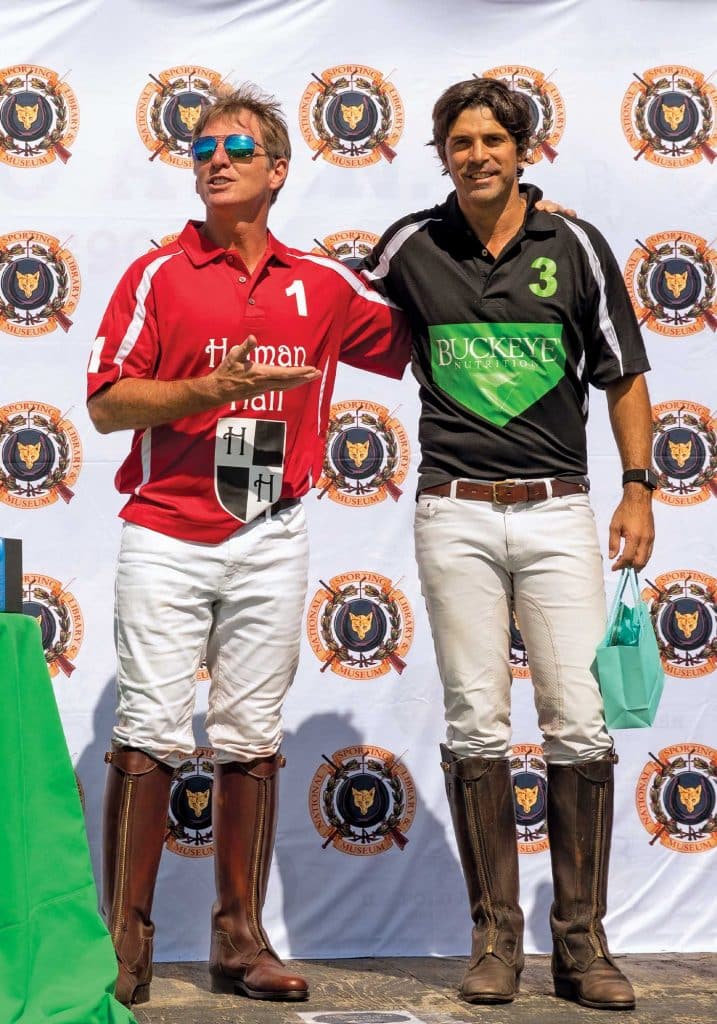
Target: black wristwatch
640, 476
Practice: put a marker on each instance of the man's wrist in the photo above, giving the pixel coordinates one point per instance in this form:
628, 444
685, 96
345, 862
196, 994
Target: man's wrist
637, 492
209, 389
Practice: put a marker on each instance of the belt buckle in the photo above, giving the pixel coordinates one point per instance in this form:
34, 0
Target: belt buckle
501, 483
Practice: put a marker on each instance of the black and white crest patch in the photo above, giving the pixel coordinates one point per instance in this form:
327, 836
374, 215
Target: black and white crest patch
248, 465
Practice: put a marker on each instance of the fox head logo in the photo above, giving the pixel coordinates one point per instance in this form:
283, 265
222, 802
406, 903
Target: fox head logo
27, 115
363, 798
29, 453
680, 451
28, 282
189, 116
527, 797
689, 796
198, 801
687, 622
358, 452
352, 114
676, 283
361, 624
674, 116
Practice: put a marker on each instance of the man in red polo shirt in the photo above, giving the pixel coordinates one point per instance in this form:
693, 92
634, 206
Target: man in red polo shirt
219, 350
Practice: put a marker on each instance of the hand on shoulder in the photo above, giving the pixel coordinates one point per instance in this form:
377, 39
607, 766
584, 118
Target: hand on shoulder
548, 206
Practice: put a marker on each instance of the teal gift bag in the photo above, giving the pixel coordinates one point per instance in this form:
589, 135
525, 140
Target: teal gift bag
627, 662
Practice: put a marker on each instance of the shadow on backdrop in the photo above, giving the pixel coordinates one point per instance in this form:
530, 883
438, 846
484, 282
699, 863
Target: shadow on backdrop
91, 771
396, 903
538, 921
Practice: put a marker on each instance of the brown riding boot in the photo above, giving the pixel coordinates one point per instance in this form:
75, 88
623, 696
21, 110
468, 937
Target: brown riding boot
480, 795
580, 808
244, 811
135, 827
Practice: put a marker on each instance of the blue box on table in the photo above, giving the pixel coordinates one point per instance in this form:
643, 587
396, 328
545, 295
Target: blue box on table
10, 575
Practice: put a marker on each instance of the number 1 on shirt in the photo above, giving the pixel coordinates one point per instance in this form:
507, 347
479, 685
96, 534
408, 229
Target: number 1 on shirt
297, 290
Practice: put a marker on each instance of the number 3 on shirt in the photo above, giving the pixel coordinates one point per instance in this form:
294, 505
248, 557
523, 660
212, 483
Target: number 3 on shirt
297, 290
548, 281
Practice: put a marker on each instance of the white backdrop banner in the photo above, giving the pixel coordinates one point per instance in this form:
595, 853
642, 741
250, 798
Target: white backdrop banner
96, 104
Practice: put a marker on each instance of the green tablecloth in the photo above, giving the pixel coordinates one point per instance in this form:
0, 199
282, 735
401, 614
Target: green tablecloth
57, 965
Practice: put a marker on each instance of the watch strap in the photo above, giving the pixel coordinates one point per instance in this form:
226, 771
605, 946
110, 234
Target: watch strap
640, 476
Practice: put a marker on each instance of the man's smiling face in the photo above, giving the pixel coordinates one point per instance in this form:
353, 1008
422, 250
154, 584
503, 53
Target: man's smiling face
481, 157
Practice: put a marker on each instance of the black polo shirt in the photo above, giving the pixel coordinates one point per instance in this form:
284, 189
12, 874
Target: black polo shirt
504, 349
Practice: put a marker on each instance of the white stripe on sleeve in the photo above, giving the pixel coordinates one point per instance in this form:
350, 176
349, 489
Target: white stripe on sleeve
321, 399
606, 325
146, 454
348, 275
96, 355
581, 377
392, 248
138, 317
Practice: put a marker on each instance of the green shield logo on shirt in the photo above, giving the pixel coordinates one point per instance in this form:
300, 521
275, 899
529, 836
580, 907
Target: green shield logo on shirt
497, 371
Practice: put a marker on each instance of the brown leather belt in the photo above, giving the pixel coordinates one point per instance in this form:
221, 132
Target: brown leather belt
507, 492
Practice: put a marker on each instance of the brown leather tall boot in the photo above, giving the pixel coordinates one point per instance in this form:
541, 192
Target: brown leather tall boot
244, 812
580, 811
135, 827
480, 795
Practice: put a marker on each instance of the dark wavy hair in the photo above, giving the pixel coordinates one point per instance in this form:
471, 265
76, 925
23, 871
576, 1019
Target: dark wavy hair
509, 108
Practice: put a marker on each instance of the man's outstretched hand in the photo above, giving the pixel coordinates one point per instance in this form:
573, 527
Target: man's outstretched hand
237, 377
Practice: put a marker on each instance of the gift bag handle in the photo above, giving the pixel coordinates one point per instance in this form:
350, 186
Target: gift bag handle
625, 576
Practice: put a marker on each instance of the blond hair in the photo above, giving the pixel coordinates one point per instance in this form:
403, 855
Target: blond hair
266, 108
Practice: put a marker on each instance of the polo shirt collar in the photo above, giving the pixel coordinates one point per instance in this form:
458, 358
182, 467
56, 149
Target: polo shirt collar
279, 251
537, 222
201, 250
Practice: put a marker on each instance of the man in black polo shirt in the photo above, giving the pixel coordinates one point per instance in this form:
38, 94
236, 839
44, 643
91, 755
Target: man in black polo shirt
515, 312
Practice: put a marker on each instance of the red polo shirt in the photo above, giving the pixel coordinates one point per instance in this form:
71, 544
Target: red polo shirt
175, 314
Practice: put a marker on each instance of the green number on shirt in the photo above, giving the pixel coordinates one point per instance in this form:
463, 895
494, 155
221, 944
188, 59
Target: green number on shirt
549, 282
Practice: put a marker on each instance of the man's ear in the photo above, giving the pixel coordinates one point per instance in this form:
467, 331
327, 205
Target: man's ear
279, 173
525, 157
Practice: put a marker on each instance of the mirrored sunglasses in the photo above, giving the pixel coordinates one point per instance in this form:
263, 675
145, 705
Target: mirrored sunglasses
236, 147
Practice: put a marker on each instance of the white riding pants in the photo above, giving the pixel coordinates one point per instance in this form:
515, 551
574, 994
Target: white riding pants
474, 559
243, 598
